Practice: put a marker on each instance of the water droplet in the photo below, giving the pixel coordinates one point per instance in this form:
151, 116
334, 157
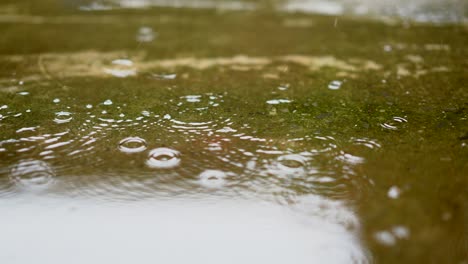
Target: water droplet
132, 145
212, 178
31, 173
56, 100
163, 158
107, 102
23, 93
394, 192
62, 117
385, 238
89, 106
167, 116
335, 85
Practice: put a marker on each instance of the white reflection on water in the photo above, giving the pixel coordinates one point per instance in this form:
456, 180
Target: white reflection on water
52, 230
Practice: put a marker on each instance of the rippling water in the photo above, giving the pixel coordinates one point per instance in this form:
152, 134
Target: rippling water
228, 132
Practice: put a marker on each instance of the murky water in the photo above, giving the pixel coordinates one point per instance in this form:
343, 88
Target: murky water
236, 132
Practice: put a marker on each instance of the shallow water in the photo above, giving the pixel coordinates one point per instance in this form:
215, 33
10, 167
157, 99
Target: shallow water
231, 134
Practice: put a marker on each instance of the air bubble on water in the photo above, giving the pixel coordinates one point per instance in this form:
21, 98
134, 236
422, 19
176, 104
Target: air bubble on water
167, 116
107, 102
89, 106
163, 158
132, 145
335, 85
23, 93
56, 100
212, 179
32, 173
62, 117
145, 113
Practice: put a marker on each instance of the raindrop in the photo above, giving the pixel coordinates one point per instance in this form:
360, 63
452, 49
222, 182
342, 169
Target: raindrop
163, 158
212, 178
30, 173
89, 106
132, 145
62, 117
56, 100
107, 102
394, 192
335, 85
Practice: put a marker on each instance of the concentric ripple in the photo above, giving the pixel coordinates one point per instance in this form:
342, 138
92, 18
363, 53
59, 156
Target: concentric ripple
163, 158
132, 145
32, 174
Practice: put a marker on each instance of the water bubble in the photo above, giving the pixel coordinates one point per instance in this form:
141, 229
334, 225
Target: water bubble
335, 85
163, 158
212, 178
31, 173
89, 106
23, 93
62, 117
132, 145
56, 100
107, 102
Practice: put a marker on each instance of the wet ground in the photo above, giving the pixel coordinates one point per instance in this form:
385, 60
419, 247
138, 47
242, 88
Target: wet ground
232, 132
